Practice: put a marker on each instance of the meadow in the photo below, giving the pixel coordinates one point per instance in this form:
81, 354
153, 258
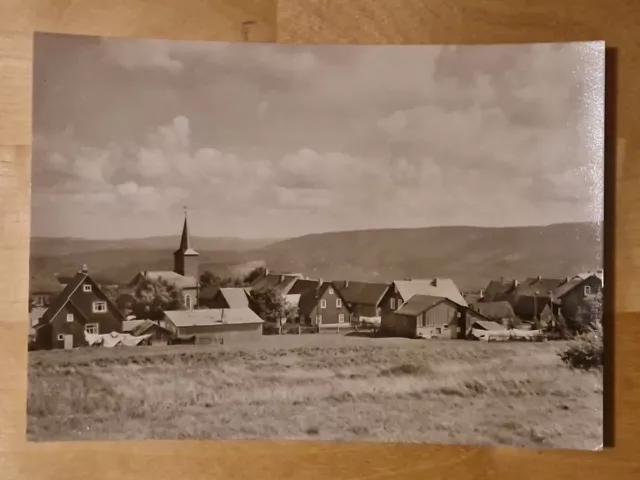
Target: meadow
318, 387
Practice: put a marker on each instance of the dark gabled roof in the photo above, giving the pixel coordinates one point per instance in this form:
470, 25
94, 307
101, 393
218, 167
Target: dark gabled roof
362, 293
418, 304
280, 282
61, 300
303, 285
575, 282
498, 288
495, 310
538, 286
65, 296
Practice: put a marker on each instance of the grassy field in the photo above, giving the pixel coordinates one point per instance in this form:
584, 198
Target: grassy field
319, 387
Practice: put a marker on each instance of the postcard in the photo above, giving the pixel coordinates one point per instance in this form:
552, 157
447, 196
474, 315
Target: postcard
319, 243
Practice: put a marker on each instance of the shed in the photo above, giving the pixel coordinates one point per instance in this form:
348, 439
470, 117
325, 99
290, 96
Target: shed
215, 325
500, 312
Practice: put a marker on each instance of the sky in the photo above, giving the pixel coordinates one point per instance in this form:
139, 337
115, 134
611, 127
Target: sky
267, 140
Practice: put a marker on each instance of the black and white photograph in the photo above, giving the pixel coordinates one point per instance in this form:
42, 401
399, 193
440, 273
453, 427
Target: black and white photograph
343, 243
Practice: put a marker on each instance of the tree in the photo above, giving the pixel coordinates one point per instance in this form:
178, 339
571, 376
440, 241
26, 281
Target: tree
152, 297
586, 351
209, 278
254, 275
291, 313
269, 305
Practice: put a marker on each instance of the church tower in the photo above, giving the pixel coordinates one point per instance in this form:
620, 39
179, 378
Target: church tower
185, 259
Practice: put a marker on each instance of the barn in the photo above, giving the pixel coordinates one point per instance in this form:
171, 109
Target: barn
425, 316
215, 326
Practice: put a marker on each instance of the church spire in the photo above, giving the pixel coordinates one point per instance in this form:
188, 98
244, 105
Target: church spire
185, 259
185, 241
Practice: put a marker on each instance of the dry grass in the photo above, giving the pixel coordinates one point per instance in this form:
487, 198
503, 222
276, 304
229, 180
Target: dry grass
321, 387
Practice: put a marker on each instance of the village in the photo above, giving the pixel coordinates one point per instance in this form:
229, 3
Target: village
179, 307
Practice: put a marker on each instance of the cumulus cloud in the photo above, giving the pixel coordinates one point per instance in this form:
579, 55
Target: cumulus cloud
322, 137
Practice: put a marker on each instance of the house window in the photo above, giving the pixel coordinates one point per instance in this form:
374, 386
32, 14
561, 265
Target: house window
41, 300
331, 291
60, 337
341, 318
438, 331
99, 307
587, 290
319, 319
91, 328
86, 287
392, 303
187, 302
69, 317
323, 303
338, 303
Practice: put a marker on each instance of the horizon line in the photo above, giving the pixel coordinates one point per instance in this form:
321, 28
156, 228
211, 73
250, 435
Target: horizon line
238, 237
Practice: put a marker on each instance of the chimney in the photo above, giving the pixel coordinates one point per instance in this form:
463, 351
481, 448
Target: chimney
266, 272
281, 278
320, 282
434, 282
85, 269
538, 278
481, 293
346, 284
515, 283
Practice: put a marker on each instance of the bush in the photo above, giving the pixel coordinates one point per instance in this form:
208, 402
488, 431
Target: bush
585, 352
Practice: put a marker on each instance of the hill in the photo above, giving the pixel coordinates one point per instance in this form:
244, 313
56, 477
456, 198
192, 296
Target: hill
470, 255
56, 246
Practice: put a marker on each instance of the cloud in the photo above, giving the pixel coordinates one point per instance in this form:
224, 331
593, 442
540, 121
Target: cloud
128, 188
320, 137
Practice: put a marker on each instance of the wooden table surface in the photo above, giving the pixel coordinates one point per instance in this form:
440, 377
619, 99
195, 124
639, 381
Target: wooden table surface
317, 21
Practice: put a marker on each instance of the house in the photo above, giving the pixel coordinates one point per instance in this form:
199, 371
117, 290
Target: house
571, 298
185, 273
401, 291
156, 334
529, 298
321, 304
281, 282
363, 299
224, 298
43, 289
82, 307
499, 312
215, 326
425, 316
498, 290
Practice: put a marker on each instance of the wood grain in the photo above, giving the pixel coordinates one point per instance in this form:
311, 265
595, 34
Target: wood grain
311, 21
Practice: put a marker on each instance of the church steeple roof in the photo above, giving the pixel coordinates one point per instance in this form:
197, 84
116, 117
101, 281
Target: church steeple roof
185, 242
